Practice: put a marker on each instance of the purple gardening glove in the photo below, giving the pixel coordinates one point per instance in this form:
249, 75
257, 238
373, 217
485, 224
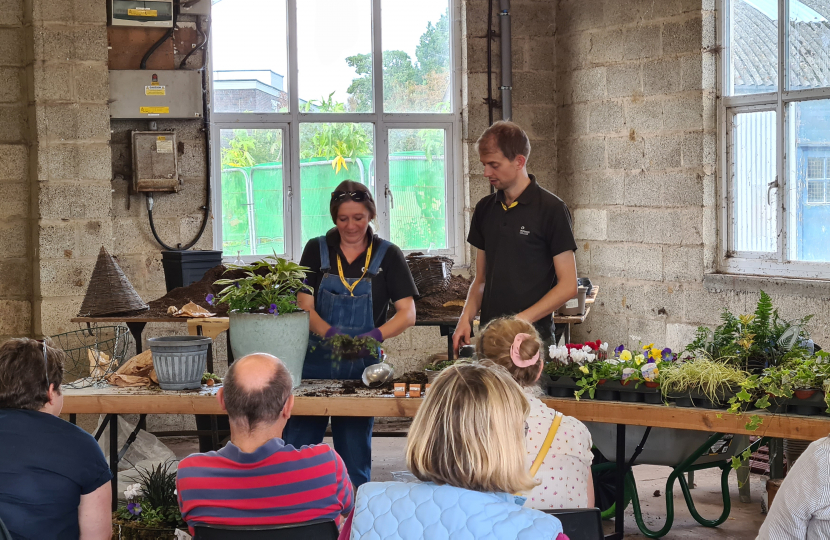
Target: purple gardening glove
332, 331
374, 333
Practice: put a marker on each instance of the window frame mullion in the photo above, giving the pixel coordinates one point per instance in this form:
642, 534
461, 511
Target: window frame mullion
781, 130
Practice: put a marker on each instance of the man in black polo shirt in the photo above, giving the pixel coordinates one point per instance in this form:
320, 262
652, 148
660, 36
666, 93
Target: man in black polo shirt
525, 264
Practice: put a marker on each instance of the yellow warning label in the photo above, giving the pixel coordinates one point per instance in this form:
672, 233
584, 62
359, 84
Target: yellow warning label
142, 12
154, 110
161, 138
154, 91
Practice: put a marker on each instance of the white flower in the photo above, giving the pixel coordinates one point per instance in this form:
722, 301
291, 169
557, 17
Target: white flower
133, 491
559, 354
612, 361
586, 348
604, 347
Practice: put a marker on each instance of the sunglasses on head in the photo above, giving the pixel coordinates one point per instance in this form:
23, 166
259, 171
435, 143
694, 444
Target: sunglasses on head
356, 196
45, 361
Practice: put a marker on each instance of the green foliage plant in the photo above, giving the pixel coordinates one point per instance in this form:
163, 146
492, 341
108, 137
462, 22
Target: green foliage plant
269, 286
753, 341
439, 366
710, 377
591, 374
348, 347
157, 506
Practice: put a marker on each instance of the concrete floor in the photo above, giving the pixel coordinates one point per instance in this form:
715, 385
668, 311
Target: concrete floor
743, 523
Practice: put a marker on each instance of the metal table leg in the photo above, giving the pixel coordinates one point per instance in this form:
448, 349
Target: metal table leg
776, 459
136, 328
114, 458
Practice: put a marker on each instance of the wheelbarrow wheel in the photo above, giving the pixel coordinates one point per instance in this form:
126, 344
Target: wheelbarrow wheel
604, 473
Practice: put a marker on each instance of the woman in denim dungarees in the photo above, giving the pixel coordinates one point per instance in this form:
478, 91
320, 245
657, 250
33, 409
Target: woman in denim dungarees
344, 305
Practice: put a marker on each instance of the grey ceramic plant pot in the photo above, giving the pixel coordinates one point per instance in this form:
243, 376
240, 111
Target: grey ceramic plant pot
285, 336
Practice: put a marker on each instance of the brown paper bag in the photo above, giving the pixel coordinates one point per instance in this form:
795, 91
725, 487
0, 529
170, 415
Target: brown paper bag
192, 311
99, 363
117, 379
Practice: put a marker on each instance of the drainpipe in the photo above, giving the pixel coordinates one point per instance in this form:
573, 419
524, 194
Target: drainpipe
506, 61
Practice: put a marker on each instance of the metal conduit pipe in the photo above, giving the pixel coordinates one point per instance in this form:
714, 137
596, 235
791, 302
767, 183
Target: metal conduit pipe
506, 61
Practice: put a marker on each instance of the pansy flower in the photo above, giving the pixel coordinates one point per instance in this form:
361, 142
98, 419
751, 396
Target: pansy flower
134, 508
619, 349
639, 359
209, 299
584, 369
273, 310
625, 355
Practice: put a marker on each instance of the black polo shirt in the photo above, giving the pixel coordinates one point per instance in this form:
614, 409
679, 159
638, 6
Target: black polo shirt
520, 244
393, 282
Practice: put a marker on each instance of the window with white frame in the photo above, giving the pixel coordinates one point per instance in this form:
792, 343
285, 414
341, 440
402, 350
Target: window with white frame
308, 93
775, 138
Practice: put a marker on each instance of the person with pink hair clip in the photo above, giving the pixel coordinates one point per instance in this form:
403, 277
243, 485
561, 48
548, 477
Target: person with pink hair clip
558, 447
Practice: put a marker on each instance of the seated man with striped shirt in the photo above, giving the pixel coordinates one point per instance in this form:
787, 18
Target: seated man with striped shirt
257, 479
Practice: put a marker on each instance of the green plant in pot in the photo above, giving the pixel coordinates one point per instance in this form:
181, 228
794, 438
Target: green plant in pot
714, 379
752, 341
152, 509
263, 311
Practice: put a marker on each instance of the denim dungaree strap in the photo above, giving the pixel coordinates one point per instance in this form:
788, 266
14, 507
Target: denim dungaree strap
353, 315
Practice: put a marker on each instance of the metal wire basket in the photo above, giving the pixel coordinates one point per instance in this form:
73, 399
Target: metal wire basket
92, 354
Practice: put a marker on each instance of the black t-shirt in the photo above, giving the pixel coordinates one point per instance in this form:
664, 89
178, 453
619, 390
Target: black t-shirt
46, 464
393, 282
520, 244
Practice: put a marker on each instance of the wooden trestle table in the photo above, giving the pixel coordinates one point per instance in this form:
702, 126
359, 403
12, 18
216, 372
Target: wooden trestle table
114, 401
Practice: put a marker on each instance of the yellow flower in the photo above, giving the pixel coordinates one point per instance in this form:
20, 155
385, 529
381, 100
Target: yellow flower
656, 353
657, 361
625, 356
583, 369
639, 359
649, 346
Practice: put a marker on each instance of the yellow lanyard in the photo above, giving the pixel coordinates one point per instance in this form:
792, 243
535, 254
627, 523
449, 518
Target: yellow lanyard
506, 208
365, 268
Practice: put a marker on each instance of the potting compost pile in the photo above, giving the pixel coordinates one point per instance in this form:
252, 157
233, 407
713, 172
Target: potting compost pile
196, 292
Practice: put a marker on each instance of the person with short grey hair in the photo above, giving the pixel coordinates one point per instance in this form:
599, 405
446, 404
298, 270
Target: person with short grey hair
258, 479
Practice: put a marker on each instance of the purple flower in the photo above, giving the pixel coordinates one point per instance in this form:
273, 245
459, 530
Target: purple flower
666, 352
209, 299
273, 309
238, 286
134, 508
619, 349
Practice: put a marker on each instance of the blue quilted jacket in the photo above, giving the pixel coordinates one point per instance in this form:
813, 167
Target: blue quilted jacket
398, 510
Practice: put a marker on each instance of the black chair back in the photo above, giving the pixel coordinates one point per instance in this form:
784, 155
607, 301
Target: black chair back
312, 530
580, 523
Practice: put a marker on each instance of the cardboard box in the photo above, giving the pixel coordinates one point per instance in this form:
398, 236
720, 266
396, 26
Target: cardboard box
415, 390
400, 389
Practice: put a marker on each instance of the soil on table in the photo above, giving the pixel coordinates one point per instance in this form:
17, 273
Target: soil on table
431, 308
196, 293
352, 387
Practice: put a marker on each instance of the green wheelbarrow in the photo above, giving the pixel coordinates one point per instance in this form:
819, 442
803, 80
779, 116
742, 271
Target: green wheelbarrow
683, 450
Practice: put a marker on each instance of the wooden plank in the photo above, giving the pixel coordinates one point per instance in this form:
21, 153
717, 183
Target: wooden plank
572, 319
808, 428
593, 296
138, 401
128, 45
128, 318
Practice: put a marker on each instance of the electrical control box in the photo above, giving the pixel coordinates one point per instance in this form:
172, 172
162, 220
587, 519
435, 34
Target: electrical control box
144, 93
153, 13
155, 161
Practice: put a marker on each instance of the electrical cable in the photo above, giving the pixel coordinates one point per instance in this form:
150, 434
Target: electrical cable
167, 35
204, 37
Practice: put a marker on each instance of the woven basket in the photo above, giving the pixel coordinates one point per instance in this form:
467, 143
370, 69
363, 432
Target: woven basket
432, 273
109, 291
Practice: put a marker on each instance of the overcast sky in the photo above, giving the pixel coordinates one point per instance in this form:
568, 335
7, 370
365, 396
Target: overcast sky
251, 35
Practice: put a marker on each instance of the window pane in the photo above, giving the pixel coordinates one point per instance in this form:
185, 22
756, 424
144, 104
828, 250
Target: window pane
334, 42
809, 208
250, 62
329, 154
753, 220
416, 56
252, 192
754, 47
809, 56
417, 178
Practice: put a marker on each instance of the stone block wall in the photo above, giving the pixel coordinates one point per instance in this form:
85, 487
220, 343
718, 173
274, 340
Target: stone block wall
637, 137
15, 193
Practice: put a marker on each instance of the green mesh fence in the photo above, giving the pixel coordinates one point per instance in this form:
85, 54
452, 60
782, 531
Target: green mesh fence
418, 217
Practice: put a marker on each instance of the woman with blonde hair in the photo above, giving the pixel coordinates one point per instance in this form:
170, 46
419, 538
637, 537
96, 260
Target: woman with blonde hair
465, 445
563, 475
